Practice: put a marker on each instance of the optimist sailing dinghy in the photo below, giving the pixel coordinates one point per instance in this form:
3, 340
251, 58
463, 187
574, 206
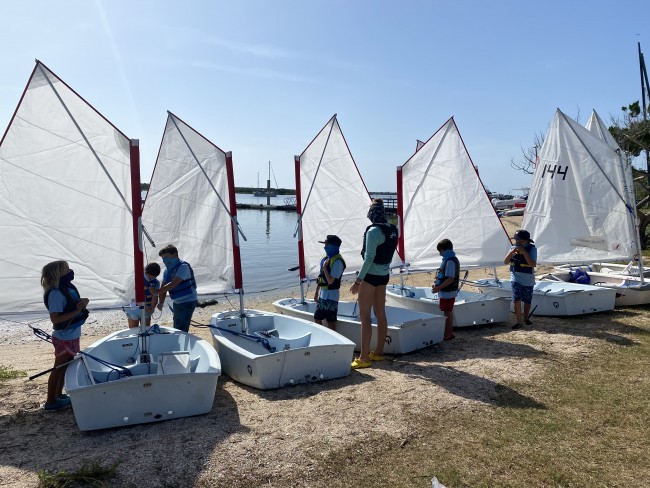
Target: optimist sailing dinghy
63, 162
607, 206
440, 195
575, 214
191, 202
331, 198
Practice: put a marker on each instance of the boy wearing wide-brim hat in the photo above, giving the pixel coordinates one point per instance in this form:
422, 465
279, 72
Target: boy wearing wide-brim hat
522, 259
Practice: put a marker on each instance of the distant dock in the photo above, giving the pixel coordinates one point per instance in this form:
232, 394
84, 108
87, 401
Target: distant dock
290, 205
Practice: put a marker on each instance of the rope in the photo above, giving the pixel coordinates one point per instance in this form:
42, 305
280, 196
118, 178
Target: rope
261, 340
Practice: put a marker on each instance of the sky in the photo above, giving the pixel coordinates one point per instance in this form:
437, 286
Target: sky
261, 78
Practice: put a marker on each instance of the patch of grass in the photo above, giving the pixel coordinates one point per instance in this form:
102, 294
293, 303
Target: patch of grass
10, 374
91, 473
584, 424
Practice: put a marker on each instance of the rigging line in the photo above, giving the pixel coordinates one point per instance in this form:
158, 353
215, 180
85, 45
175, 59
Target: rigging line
85, 138
273, 172
233, 219
313, 181
596, 161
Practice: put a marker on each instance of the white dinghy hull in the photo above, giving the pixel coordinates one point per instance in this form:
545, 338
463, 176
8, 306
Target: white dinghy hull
469, 308
408, 330
304, 352
179, 381
629, 290
556, 299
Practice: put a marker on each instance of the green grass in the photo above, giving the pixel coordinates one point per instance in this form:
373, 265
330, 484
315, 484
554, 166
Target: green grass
10, 374
591, 430
91, 473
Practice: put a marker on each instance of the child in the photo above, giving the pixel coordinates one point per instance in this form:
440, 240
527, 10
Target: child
178, 280
522, 258
151, 271
446, 284
67, 313
329, 282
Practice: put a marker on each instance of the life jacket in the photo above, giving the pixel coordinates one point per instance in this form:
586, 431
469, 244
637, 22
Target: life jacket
185, 287
322, 280
152, 283
441, 276
579, 276
518, 262
385, 251
70, 306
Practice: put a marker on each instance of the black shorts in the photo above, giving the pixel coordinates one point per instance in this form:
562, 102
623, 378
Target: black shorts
376, 280
326, 310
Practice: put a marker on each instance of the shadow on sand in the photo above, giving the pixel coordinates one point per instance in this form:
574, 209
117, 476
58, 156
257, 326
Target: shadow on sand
141, 451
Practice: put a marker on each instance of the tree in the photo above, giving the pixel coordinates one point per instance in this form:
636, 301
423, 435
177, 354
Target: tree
529, 156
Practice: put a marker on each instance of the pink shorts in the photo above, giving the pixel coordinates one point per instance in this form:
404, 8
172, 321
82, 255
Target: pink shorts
65, 347
447, 304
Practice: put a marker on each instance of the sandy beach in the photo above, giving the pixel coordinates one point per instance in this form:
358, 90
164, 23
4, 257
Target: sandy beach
278, 437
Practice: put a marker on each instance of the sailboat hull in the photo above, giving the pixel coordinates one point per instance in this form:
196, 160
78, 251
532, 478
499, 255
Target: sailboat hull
304, 351
629, 290
408, 330
469, 309
179, 380
558, 299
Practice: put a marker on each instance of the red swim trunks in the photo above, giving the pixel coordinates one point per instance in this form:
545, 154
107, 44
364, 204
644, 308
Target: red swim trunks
447, 304
65, 347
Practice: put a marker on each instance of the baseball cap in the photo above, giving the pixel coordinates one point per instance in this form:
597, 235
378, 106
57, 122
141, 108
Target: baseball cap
332, 239
523, 235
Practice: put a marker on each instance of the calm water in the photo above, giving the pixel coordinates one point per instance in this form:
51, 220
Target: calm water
270, 247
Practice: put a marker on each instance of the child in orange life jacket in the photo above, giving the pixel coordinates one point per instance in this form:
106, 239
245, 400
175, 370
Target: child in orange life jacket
522, 259
329, 282
151, 272
67, 313
446, 284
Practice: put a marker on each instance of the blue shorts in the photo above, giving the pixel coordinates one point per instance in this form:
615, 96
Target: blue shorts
326, 310
521, 293
183, 315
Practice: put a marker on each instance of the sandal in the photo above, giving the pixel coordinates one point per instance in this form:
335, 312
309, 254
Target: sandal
375, 357
358, 364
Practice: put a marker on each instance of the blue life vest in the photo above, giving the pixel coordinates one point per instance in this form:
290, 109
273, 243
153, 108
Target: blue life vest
322, 280
441, 277
152, 283
579, 276
185, 287
70, 306
518, 262
385, 250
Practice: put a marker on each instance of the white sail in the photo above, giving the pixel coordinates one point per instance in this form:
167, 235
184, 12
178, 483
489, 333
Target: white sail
64, 193
334, 199
443, 198
187, 206
576, 210
595, 125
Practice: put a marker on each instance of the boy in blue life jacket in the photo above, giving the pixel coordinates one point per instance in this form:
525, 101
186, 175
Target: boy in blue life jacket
151, 272
327, 293
522, 259
178, 280
446, 285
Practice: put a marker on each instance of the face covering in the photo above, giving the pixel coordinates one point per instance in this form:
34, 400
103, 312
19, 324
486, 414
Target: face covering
67, 278
331, 250
170, 262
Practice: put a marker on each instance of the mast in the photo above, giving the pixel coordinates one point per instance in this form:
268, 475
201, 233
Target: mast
234, 231
400, 224
644, 90
301, 248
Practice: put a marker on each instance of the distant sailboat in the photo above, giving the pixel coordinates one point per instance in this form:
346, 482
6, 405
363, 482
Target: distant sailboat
268, 192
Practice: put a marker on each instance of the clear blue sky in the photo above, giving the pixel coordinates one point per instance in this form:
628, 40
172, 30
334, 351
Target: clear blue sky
260, 78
